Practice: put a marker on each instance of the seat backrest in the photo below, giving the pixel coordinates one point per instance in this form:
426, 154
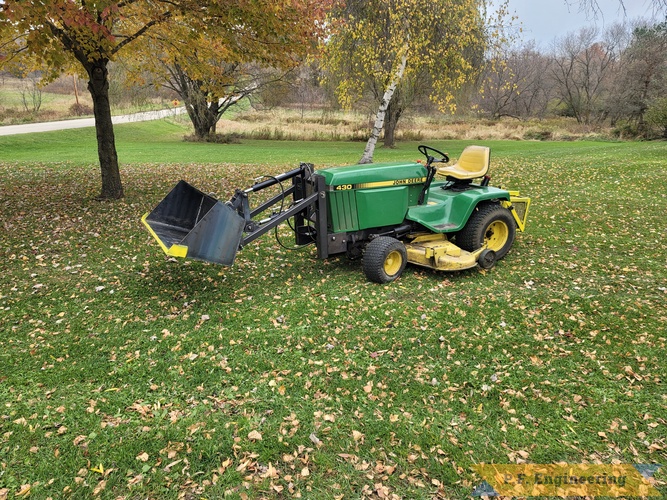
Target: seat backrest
475, 160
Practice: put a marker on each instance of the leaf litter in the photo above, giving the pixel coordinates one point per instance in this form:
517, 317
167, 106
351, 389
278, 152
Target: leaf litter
289, 376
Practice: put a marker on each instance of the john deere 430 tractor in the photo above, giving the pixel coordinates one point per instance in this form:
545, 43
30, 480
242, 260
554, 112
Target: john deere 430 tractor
387, 213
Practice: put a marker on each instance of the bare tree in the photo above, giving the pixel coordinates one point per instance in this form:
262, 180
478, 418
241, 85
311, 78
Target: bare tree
593, 6
31, 92
514, 83
581, 70
643, 74
304, 87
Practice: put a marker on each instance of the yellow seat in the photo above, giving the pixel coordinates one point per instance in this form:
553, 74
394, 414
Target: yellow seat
473, 163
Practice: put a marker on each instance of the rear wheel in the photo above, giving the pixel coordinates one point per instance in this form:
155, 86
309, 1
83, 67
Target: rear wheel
384, 259
490, 225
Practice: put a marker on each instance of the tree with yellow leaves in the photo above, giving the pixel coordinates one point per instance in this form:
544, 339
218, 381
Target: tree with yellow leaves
379, 44
57, 34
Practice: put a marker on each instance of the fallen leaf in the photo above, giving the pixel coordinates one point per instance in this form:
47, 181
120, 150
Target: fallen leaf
24, 491
136, 479
100, 486
99, 469
254, 436
271, 472
169, 467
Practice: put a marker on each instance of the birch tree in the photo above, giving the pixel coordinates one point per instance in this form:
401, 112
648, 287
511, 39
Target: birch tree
378, 43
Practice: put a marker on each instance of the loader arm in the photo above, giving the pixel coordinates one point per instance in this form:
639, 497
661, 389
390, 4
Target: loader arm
257, 229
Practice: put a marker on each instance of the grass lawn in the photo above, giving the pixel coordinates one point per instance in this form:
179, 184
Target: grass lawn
125, 374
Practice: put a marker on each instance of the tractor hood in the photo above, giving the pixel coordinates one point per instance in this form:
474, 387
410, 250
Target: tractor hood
373, 175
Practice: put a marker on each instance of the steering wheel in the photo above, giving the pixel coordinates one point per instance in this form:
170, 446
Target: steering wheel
431, 159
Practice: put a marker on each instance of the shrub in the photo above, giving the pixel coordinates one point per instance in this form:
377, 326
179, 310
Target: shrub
412, 135
626, 130
656, 115
538, 135
228, 138
78, 109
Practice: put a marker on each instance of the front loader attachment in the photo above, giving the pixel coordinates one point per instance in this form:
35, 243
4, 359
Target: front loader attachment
189, 223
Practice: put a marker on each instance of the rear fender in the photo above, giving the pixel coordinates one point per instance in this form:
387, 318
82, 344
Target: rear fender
448, 212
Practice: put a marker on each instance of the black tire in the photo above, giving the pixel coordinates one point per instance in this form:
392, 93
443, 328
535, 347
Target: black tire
384, 259
487, 259
489, 224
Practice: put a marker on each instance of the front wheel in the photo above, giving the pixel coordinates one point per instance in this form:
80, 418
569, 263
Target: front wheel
384, 259
490, 225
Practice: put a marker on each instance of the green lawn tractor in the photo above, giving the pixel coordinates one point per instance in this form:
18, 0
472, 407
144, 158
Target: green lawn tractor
387, 214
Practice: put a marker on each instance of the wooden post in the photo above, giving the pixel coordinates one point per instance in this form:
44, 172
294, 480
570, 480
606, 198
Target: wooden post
76, 91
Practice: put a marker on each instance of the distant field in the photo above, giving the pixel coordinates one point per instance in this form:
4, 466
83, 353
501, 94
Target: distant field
293, 123
162, 142
54, 101
126, 374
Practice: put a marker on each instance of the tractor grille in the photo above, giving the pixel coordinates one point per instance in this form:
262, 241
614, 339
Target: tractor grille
343, 211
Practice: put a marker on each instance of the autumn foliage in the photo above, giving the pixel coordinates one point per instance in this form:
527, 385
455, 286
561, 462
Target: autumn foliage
390, 47
57, 34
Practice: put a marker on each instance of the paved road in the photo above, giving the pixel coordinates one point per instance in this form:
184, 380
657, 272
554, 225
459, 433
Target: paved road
30, 128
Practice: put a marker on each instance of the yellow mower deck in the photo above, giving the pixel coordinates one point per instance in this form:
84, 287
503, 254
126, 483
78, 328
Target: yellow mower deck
436, 252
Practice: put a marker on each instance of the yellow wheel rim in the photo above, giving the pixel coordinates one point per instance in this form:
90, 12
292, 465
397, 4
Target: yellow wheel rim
496, 235
393, 262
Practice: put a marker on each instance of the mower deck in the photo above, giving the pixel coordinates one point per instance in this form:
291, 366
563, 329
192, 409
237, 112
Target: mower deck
436, 252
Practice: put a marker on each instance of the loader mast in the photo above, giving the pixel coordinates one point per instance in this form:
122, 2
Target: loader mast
306, 200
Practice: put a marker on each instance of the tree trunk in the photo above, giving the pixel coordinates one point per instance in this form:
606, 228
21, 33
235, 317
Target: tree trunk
195, 104
367, 157
394, 112
200, 123
214, 115
203, 115
98, 86
76, 91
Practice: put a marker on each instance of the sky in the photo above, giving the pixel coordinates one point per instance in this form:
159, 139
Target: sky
545, 20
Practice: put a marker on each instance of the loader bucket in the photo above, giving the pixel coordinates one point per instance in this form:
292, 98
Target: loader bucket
189, 223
